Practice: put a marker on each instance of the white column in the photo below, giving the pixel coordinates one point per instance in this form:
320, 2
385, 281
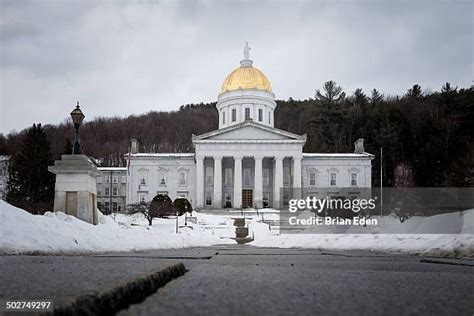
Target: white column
237, 182
297, 177
217, 182
258, 183
199, 181
278, 182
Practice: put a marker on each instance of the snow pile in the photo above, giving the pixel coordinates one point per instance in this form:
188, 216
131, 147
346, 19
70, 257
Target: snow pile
58, 233
442, 245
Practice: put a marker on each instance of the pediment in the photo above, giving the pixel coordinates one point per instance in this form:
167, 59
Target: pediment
249, 131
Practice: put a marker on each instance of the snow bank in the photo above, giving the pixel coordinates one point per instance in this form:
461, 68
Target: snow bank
440, 245
58, 233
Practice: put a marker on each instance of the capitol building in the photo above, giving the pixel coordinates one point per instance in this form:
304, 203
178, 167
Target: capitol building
246, 162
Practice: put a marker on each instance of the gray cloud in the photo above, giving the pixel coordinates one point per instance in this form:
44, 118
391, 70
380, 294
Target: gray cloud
120, 58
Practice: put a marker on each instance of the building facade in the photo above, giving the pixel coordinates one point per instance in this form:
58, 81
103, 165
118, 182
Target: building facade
246, 162
111, 189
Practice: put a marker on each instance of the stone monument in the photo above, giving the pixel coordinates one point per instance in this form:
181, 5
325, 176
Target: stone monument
75, 191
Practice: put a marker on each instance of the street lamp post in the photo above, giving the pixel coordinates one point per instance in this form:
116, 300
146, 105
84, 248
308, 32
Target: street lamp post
77, 118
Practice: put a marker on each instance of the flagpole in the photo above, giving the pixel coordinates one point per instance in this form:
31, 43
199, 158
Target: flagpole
381, 182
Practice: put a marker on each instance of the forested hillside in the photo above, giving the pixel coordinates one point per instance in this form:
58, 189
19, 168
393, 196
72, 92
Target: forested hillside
430, 135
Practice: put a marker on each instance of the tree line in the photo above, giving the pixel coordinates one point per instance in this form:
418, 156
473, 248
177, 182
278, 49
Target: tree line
427, 137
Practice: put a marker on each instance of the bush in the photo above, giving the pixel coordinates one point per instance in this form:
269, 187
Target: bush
182, 205
161, 206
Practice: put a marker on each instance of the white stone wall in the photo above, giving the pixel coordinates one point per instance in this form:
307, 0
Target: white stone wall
242, 99
151, 166
343, 167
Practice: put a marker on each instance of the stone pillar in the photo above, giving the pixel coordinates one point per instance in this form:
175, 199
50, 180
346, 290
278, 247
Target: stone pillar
297, 177
217, 181
237, 181
75, 190
199, 181
278, 182
258, 196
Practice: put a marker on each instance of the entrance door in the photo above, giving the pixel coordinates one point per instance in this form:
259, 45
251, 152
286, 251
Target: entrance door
247, 198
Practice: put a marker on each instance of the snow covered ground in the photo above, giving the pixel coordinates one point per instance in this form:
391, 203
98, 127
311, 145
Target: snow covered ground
57, 233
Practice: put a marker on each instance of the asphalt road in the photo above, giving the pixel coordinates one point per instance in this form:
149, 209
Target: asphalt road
255, 281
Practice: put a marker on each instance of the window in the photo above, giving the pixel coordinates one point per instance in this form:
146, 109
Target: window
209, 175
115, 191
143, 176
182, 178
234, 115
354, 179
247, 113
223, 117
107, 179
228, 177
99, 179
115, 179
114, 206
333, 178
142, 197
123, 179
162, 177
269, 117
312, 178
260, 115
107, 206
286, 176
247, 177
99, 205
107, 191
266, 177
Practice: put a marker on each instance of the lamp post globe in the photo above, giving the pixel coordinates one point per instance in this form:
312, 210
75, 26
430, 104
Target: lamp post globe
77, 118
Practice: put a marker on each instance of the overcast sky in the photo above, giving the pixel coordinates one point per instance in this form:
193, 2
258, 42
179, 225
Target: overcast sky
123, 57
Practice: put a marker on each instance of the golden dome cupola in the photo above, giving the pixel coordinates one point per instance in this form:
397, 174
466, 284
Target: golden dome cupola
246, 94
246, 77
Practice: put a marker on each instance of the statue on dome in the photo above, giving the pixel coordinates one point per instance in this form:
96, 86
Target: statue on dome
247, 51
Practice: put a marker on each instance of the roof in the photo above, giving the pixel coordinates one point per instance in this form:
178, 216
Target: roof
162, 155
246, 77
112, 168
337, 155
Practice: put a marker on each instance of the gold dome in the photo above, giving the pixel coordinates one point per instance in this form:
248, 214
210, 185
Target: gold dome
246, 77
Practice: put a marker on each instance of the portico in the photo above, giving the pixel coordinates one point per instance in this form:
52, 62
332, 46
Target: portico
233, 172
253, 183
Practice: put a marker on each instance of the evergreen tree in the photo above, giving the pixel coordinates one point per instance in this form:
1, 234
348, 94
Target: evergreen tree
3, 144
332, 94
376, 97
30, 184
360, 99
415, 92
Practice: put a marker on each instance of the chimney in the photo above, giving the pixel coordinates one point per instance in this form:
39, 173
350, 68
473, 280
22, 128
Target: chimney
134, 148
359, 146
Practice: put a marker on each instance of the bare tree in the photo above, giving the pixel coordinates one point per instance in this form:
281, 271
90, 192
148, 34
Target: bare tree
144, 209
